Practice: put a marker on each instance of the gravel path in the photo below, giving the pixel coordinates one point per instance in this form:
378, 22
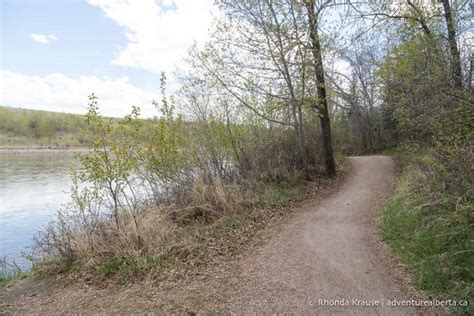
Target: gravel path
328, 250
331, 251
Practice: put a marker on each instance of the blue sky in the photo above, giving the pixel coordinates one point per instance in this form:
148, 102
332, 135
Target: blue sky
54, 53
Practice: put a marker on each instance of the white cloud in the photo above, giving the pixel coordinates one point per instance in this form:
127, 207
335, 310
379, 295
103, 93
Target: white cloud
158, 34
57, 92
43, 38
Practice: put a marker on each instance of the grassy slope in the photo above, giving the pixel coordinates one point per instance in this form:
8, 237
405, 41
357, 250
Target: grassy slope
21, 128
428, 236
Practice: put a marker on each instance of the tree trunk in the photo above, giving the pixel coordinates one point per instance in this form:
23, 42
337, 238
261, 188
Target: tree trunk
453, 45
321, 89
299, 137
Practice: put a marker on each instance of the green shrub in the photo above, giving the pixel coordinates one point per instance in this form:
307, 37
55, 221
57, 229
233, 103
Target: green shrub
428, 223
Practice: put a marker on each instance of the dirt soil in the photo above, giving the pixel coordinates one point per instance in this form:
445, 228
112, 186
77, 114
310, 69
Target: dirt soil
326, 250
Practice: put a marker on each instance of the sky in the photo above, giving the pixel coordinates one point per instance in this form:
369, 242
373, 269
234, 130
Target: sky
54, 53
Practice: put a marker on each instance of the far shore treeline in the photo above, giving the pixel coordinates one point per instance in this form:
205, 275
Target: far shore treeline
35, 128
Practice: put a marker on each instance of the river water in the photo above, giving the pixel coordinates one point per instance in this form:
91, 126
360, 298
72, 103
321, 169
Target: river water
32, 188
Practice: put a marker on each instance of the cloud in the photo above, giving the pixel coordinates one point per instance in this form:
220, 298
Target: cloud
158, 34
43, 38
57, 92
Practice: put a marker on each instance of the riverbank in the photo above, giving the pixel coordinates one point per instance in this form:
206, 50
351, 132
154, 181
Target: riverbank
207, 246
41, 150
22, 128
280, 268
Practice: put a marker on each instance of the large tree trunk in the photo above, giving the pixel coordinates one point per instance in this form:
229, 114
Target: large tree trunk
453, 45
322, 105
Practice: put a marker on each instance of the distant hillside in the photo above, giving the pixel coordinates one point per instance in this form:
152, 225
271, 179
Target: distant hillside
33, 128
23, 128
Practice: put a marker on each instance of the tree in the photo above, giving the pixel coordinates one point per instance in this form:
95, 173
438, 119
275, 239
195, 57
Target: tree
322, 104
427, 15
266, 69
453, 45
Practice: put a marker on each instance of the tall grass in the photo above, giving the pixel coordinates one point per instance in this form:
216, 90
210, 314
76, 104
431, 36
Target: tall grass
431, 229
9, 272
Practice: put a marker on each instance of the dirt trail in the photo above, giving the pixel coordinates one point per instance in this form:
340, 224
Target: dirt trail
327, 250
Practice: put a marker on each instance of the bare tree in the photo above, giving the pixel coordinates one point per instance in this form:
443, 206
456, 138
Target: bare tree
322, 103
257, 57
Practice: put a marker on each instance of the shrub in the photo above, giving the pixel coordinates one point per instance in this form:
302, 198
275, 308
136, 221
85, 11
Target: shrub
429, 224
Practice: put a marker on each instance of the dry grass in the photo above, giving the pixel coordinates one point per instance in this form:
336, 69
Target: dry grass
222, 219
197, 253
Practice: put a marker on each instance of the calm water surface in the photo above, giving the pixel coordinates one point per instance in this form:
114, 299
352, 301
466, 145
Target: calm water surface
32, 188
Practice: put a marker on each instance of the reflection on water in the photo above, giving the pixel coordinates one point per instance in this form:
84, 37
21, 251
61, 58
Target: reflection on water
32, 189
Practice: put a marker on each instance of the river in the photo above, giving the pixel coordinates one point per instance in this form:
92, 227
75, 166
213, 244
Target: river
32, 188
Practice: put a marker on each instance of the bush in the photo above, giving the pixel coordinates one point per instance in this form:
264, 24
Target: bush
153, 189
429, 225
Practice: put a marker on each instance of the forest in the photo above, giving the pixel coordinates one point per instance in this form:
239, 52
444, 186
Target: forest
266, 113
